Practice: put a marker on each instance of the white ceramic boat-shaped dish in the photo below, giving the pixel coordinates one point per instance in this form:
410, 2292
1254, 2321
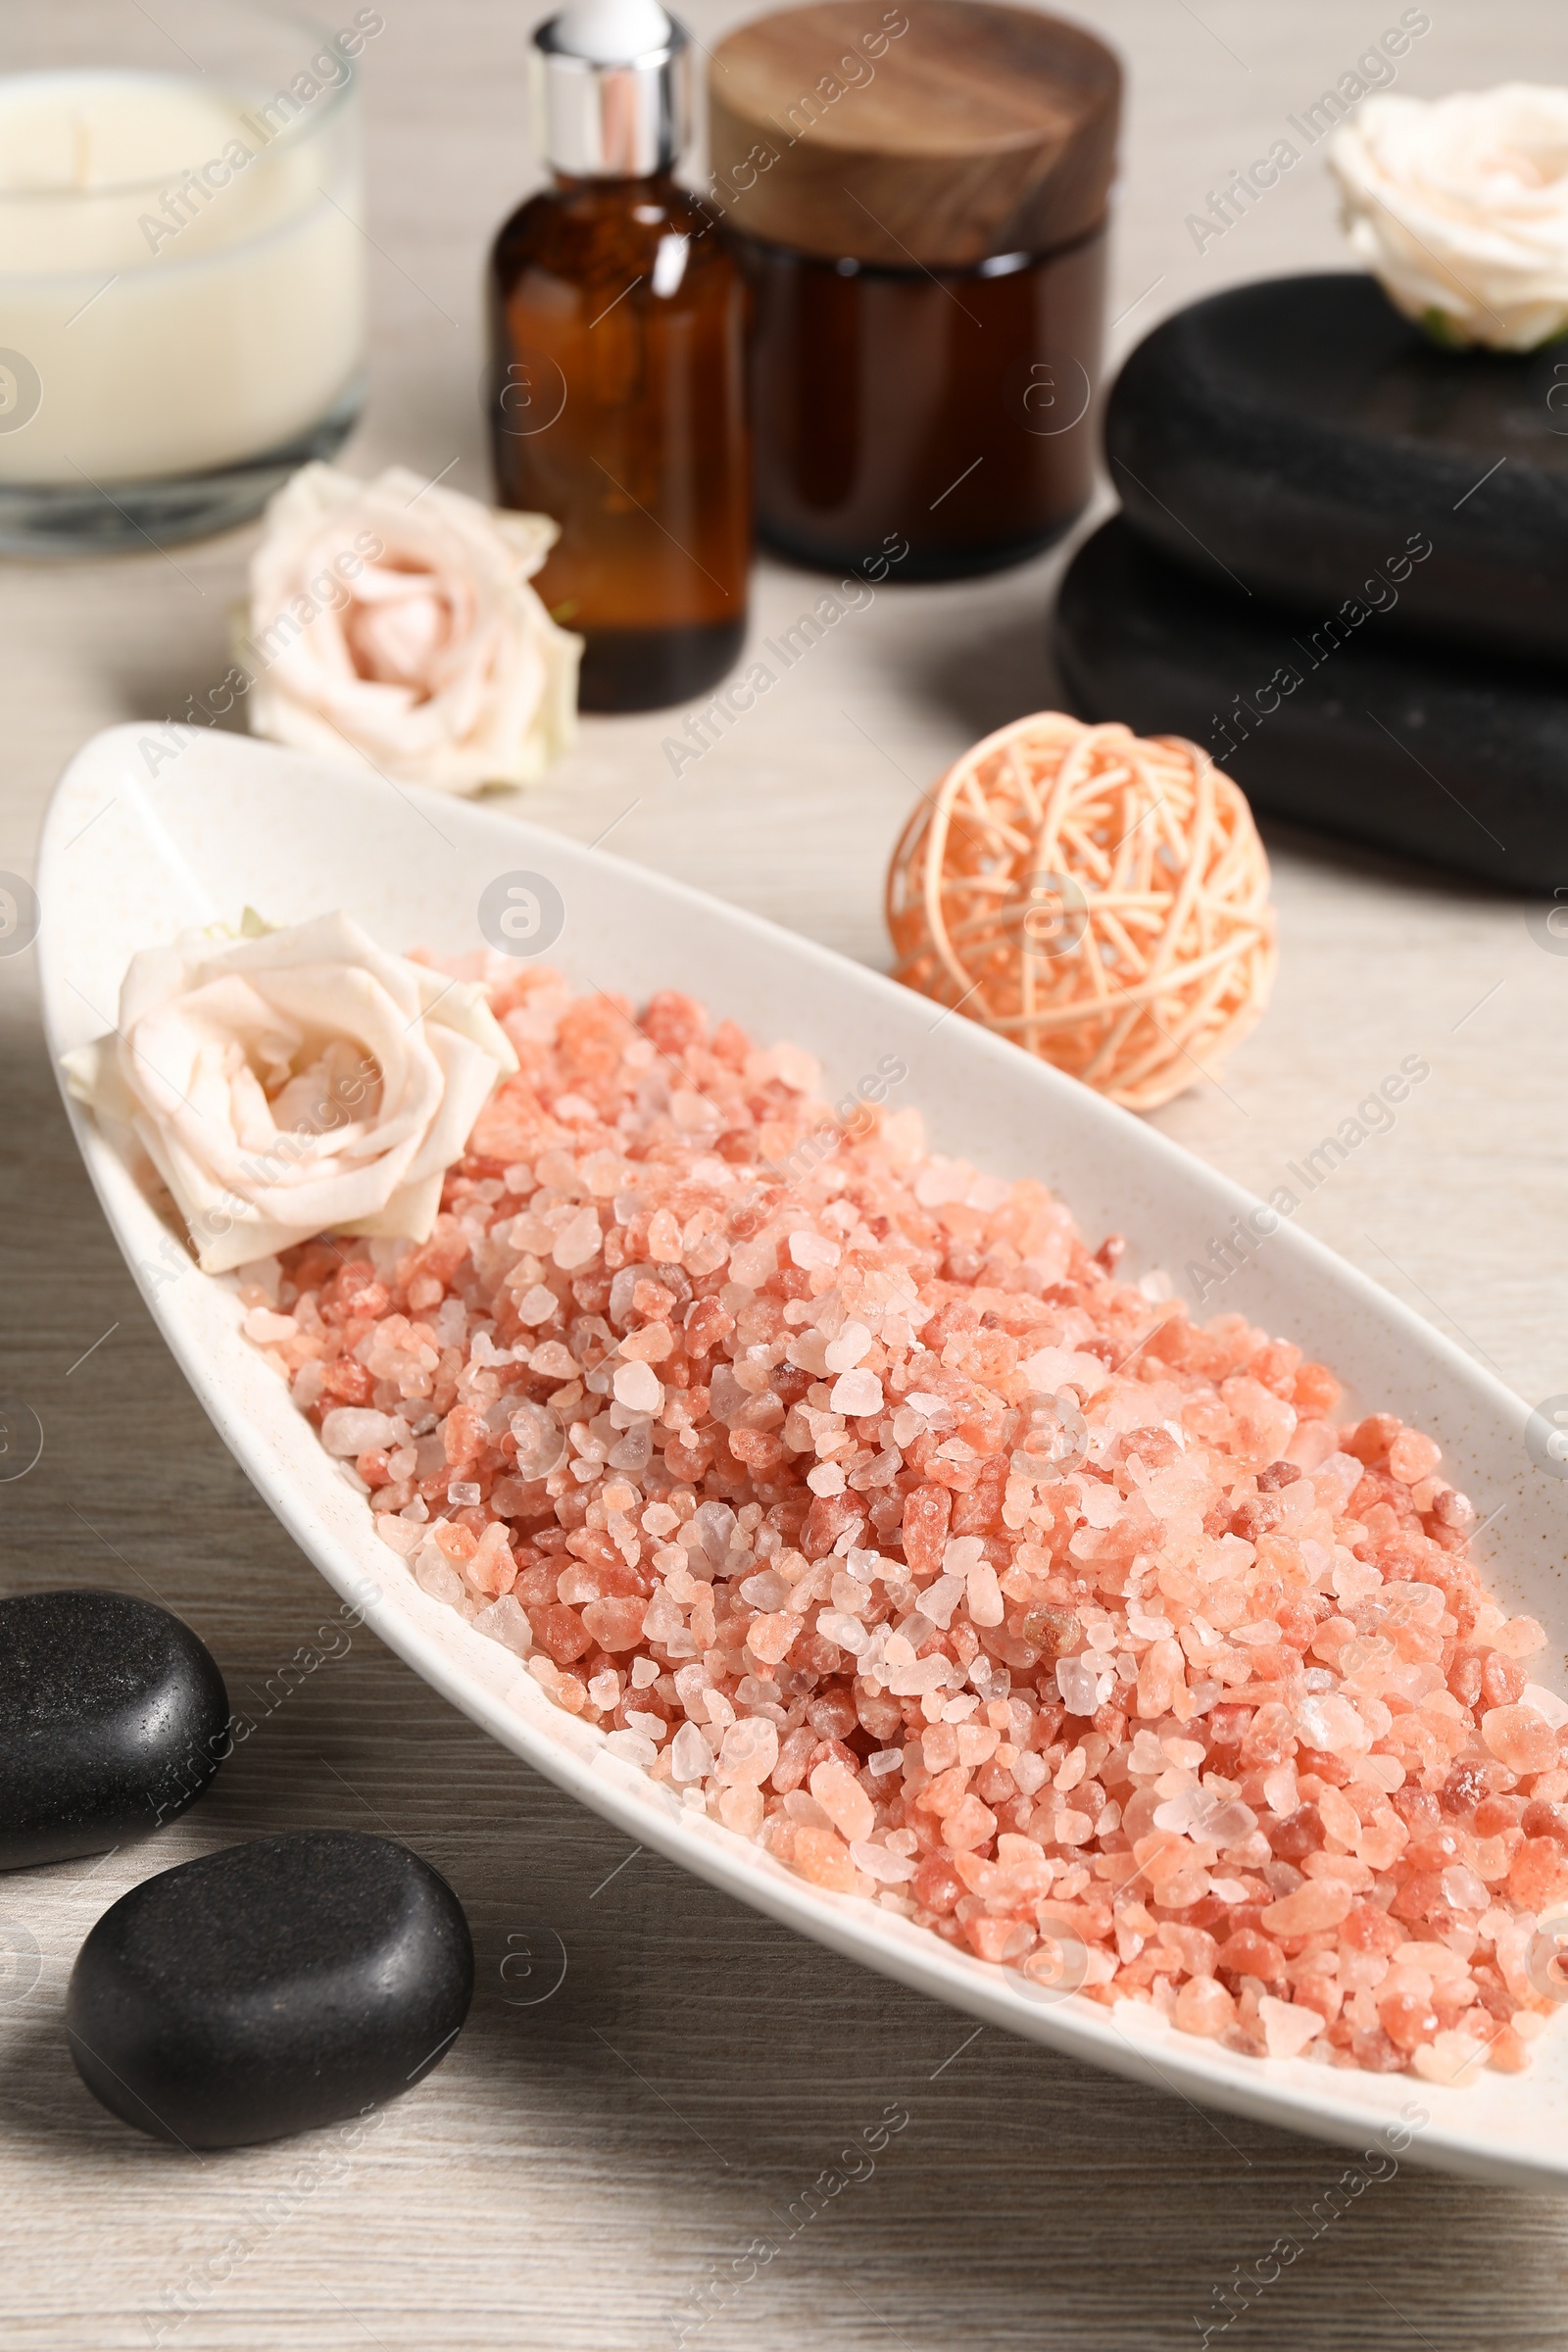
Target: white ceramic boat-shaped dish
130, 858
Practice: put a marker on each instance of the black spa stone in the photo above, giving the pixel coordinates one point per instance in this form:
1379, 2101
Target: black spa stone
274, 1986
113, 1719
1300, 436
1453, 763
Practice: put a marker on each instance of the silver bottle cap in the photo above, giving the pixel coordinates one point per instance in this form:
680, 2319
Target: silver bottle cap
613, 88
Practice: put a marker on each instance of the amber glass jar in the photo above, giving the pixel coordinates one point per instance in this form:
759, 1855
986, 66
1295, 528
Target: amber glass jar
924, 236
617, 403
953, 409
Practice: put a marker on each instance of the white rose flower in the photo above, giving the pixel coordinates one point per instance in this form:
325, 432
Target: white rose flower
393, 627
1460, 207
297, 1082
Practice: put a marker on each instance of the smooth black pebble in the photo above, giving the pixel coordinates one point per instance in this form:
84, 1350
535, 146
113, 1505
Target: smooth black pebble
1453, 763
113, 1720
1298, 434
270, 1989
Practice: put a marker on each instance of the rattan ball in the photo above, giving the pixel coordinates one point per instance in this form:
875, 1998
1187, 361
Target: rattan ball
1097, 897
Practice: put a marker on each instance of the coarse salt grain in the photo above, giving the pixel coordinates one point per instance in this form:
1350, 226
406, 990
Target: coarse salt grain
985, 1595
505, 1622
264, 1327
1288, 2026
813, 1249
348, 1432
852, 1493
843, 1800
637, 1386
845, 1353
857, 1393
889, 1869
749, 1752
690, 1756
578, 1241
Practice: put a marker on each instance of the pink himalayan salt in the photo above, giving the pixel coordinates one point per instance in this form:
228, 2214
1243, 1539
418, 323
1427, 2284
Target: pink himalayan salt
845, 1353
1287, 2026
1452, 2056
1203, 2006
741, 1809
1520, 1739
849, 1491
350, 1430
637, 1385
578, 1241
749, 1753
690, 1756
1412, 1456
969, 1826
844, 1800
856, 1393
771, 1638
984, 1595
1317, 1905
1520, 1637
822, 1857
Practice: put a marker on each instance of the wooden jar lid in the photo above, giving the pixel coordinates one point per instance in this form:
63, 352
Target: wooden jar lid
933, 131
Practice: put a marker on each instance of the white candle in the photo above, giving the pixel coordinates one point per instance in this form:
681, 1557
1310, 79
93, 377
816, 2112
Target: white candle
182, 277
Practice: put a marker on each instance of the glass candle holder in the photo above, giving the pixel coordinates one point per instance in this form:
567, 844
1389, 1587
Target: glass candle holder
181, 264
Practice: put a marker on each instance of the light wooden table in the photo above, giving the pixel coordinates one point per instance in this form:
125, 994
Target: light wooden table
588, 2155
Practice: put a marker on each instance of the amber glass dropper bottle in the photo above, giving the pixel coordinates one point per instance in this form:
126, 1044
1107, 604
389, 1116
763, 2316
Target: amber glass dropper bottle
617, 398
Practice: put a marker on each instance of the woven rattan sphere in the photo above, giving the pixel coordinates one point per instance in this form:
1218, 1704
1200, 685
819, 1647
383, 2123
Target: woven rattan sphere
1097, 897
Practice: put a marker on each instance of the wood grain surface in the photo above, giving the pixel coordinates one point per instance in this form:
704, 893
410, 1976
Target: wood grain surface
654, 2077
973, 129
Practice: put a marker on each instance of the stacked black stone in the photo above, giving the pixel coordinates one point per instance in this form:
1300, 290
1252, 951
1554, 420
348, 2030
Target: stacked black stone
1342, 568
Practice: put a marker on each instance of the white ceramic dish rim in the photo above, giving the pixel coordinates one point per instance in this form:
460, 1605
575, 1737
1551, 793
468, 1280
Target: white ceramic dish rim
106, 888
